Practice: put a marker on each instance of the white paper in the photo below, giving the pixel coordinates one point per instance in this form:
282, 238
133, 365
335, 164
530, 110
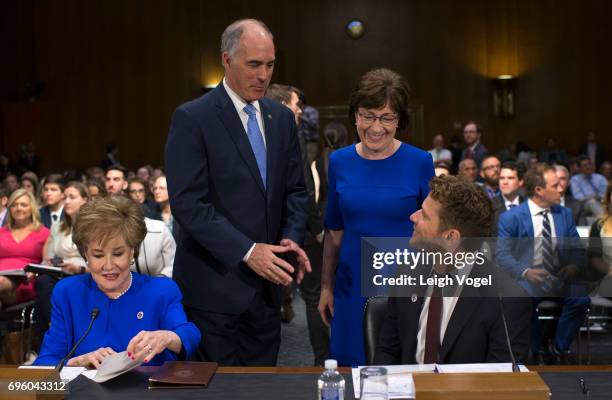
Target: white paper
399, 379
490, 367
112, 366
68, 373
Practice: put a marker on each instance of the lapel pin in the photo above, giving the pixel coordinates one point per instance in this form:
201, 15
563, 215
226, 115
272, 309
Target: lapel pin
140, 315
414, 297
269, 116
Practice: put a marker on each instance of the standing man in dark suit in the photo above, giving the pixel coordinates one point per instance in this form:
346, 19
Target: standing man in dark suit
595, 151
538, 245
466, 325
472, 134
236, 184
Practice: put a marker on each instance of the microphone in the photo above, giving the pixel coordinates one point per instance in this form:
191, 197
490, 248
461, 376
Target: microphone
515, 367
94, 315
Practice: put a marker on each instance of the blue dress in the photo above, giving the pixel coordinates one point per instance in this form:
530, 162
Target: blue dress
150, 304
368, 198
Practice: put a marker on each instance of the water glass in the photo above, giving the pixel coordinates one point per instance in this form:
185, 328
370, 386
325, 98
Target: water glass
373, 383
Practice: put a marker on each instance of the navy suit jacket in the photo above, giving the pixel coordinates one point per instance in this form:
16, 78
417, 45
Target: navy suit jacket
514, 256
45, 216
218, 198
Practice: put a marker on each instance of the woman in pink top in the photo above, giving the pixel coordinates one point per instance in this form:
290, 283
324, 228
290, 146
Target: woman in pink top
21, 243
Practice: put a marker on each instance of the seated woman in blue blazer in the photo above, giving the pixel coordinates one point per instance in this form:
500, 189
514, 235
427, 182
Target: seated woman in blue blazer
137, 313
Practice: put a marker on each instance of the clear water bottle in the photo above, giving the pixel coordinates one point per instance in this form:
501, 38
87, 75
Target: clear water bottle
331, 383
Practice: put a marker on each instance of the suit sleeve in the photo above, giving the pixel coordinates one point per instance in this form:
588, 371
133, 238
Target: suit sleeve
176, 321
295, 199
58, 339
187, 172
506, 238
388, 349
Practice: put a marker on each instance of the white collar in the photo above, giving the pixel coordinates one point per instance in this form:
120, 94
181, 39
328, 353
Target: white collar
535, 209
58, 212
515, 201
473, 147
238, 101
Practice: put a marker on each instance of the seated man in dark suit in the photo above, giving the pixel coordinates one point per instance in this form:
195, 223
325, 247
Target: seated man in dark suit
539, 246
584, 212
467, 327
510, 184
53, 198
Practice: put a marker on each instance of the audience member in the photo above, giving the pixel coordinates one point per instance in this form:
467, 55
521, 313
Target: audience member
456, 151
138, 190
29, 181
600, 237
510, 185
582, 211
439, 153
366, 198
28, 160
236, 200
5, 167
157, 172
489, 173
547, 266
137, 314
110, 158
472, 134
95, 173
21, 243
553, 154
96, 188
308, 127
596, 152
160, 195
52, 212
145, 173
156, 254
465, 325
116, 180
468, 170
606, 170
441, 168
588, 184
61, 252
11, 182
4, 196
524, 154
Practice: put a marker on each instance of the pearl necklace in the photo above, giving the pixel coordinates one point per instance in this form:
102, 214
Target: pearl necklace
125, 291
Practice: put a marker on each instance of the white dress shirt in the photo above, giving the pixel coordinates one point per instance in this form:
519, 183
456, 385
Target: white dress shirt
508, 203
58, 215
239, 104
448, 306
441, 154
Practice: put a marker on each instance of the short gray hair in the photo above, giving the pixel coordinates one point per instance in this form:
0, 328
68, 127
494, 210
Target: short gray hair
231, 35
561, 168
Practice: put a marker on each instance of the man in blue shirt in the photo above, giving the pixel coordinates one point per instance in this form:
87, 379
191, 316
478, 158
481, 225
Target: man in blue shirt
587, 184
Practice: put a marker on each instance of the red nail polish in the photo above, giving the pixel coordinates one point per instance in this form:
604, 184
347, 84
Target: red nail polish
134, 358
146, 361
129, 354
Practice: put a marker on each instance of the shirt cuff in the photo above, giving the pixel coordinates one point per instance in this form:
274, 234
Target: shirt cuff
524, 273
248, 254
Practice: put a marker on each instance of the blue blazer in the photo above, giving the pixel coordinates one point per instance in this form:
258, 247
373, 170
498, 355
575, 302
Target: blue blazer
150, 304
45, 216
218, 197
514, 255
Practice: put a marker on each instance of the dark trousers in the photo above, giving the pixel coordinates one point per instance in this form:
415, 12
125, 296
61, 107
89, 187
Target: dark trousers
44, 287
573, 313
248, 339
310, 289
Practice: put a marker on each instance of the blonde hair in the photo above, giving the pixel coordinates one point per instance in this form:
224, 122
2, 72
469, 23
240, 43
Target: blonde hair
108, 218
33, 206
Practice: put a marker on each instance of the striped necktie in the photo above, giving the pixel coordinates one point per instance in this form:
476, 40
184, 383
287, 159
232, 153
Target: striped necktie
256, 140
548, 257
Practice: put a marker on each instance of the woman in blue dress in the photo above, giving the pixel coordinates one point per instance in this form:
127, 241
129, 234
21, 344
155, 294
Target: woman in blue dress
374, 187
139, 314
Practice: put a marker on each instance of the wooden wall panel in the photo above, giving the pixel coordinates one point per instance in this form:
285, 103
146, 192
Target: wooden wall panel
115, 70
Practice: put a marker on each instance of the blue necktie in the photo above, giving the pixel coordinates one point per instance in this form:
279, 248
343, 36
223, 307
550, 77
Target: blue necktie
256, 140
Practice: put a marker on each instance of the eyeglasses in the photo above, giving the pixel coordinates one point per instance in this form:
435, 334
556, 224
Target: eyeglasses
385, 119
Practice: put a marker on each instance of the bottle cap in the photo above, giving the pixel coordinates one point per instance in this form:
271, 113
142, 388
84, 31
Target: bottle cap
331, 364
